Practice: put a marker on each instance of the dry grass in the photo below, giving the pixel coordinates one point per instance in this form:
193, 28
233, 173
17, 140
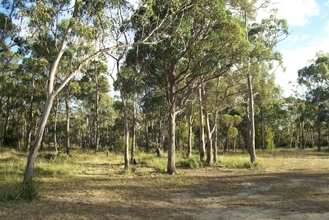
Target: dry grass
89, 186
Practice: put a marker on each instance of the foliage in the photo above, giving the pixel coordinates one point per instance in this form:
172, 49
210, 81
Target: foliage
235, 163
193, 162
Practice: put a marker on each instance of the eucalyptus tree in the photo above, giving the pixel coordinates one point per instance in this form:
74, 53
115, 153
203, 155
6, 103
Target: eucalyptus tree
34, 79
154, 109
263, 38
85, 23
315, 78
97, 83
200, 46
11, 28
11, 52
219, 97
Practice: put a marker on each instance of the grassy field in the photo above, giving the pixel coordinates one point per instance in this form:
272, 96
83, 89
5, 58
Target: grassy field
90, 186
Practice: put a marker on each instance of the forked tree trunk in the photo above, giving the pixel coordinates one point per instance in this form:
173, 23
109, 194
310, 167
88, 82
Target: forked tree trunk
209, 148
215, 137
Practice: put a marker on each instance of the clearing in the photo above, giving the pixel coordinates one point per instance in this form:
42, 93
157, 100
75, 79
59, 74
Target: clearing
280, 187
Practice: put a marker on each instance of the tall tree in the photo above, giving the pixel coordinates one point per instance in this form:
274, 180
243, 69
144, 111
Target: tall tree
316, 79
199, 44
89, 23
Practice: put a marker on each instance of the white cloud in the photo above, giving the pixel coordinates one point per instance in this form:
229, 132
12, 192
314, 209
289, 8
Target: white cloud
297, 12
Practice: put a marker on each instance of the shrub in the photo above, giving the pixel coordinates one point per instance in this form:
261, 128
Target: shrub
161, 168
190, 163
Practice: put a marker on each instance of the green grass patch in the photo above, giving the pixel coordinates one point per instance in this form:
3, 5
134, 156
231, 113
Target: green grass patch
236, 163
160, 168
193, 162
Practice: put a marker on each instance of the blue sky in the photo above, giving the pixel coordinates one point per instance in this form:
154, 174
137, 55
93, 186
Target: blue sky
308, 22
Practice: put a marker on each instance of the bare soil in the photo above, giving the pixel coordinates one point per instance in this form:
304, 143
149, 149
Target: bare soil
286, 188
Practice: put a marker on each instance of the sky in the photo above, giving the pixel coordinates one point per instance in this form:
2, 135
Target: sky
308, 22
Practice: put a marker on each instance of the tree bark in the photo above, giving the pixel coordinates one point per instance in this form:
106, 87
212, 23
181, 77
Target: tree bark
30, 118
215, 138
251, 139
263, 128
202, 149
55, 126
126, 130
38, 139
133, 133
171, 166
50, 99
190, 131
318, 127
67, 125
96, 116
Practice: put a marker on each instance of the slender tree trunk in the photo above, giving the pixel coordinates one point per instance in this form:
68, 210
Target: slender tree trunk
68, 110
250, 109
202, 148
147, 145
162, 139
190, 131
38, 139
30, 117
6, 124
96, 116
55, 125
133, 133
251, 139
302, 135
263, 128
209, 148
171, 166
126, 130
318, 126
50, 99
215, 138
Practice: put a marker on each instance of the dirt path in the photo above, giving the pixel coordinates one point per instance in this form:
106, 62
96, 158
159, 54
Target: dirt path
292, 192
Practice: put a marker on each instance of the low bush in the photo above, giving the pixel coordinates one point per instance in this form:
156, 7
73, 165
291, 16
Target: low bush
190, 163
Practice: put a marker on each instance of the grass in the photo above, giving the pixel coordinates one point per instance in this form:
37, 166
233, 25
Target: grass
86, 163
90, 186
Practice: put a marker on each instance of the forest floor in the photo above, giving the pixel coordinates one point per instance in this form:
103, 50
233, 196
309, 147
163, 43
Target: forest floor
280, 187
